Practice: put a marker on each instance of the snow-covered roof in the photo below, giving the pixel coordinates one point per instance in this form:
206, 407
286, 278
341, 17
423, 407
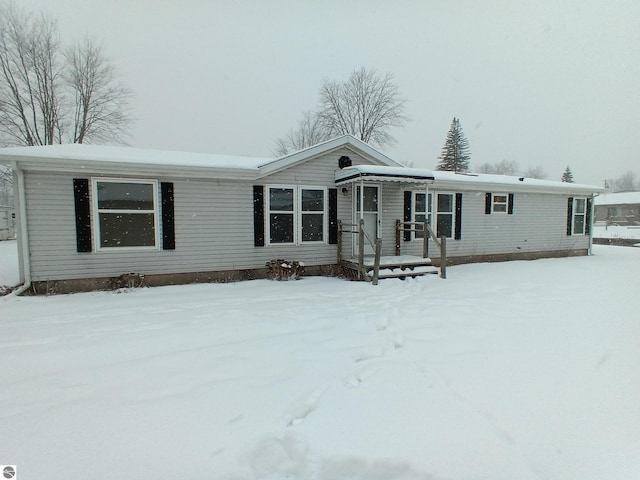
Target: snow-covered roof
130, 155
383, 173
458, 181
98, 158
621, 198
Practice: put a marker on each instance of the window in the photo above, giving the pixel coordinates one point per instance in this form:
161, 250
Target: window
281, 215
126, 213
297, 214
312, 208
579, 215
444, 214
500, 202
422, 211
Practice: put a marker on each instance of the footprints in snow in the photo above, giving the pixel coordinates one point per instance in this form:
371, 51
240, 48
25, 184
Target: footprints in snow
364, 358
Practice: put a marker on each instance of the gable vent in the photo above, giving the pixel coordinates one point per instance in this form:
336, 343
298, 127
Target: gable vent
344, 161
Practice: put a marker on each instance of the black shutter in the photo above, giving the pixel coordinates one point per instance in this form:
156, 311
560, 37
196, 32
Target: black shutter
569, 215
407, 215
333, 216
168, 219
458, 233
487, 203
83, 214
258, 215
510, 207
587, 222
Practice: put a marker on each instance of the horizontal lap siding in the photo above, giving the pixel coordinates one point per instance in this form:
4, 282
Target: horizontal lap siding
538, 224
213, 227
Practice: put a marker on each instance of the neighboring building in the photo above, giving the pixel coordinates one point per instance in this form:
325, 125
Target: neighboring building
7, 222
89, 214
621, 208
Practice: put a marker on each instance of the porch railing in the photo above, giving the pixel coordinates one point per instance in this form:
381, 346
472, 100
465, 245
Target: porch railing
362, 235
427, 232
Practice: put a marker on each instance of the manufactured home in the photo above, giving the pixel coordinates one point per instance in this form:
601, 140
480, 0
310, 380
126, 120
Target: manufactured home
88, 216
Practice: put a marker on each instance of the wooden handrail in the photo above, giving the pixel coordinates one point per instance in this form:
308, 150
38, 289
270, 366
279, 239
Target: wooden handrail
427, 233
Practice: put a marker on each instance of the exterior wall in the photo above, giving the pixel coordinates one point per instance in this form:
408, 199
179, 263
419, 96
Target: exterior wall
618, 213
538, 224
213, 222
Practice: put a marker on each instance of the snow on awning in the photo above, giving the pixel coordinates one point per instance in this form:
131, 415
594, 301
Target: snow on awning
378, 173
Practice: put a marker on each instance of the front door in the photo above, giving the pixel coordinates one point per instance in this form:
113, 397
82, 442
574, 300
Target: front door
367, 207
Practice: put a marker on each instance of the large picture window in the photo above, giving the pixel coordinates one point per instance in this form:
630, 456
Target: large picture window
297, 214
126, 213
422, 211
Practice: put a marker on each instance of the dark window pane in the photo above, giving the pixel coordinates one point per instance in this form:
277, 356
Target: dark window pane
499, 207
578, 224
445, 223
127, 230
125, 196
580, 205
420, 202
312, 200
312, 227
370, 199
419, 233
281, 230
281, 199
445, 203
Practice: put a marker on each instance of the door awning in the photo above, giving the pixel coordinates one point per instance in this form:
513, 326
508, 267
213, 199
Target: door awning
378, 173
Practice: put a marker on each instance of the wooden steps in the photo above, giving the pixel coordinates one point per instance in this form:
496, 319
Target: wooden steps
402, 266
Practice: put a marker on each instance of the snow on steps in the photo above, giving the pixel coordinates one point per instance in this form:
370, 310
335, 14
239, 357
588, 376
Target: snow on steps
402, 266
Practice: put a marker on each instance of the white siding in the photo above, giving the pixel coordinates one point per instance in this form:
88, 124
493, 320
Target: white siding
538, 224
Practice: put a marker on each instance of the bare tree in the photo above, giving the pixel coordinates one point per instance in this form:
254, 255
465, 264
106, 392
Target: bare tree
51, 95
367, 106
624, 183
536, 172
310, 132
505, 167
30, 103
100, 102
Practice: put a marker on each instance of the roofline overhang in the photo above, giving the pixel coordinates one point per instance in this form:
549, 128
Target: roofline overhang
384, 177
101, 167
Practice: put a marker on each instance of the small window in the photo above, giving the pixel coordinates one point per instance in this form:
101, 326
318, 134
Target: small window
281, 214
126, 213
422, 212
500, 202
444, 215
579, 215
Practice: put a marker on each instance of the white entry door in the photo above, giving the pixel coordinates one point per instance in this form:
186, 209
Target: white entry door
367, 207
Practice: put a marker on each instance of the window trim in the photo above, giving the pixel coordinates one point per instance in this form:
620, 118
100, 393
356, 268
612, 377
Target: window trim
574, 214
436, 213
428, 213
96, 211
297, 214
505, 203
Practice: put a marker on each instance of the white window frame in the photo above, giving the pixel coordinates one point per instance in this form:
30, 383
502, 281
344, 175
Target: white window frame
436, 213
501, 204
297, 213
301, 212
575, 215
428, 213
97, 211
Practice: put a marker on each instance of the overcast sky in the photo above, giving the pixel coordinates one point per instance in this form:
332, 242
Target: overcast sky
547, 82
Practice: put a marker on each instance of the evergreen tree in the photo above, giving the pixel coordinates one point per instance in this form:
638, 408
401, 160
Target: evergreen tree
567, 176
455, 153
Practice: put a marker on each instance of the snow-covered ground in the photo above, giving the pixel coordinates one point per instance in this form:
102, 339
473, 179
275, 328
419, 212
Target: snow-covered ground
518, 370
617, 231
9, 276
